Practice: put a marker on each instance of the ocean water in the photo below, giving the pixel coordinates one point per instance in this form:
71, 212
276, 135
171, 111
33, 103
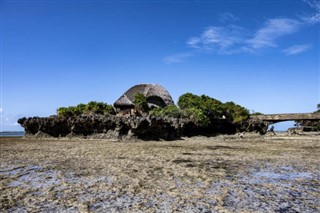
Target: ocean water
11, 134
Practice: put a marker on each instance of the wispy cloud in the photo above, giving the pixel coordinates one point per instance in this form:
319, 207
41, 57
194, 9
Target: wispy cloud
218, 39
1, 110
228, 17
272, 30
296, 49
232, 39
177, 58
314, 17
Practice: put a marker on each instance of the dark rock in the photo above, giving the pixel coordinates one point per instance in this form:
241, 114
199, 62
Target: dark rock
125, 127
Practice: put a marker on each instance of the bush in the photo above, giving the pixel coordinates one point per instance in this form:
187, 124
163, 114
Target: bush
98, 108
141, 102
318, 108
236, 112
91, 107
170, 111
211, 108
194, 114
197, 116
257, 113
64, 112
208, 105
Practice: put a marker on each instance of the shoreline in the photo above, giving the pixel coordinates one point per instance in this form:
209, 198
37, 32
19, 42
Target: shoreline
243, 135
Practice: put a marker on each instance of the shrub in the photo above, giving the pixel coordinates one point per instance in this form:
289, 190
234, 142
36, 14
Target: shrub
189, 100
257, 113
170, 111
236, 112
197, 116
98, 108
81, 108
141, 102
64, 112
318, 108
91, 107
211, 108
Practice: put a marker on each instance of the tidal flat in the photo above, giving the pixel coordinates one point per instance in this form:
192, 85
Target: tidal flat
199, 174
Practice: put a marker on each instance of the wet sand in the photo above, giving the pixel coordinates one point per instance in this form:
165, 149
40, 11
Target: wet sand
216, 174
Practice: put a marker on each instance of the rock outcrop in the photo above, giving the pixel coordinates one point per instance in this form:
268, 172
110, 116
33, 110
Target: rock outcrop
115, 127
108, 127
252, 125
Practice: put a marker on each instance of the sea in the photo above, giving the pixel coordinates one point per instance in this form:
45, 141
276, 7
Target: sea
11, 134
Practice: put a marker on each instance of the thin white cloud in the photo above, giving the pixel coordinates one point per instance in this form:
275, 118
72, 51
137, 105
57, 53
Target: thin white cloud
218, 39
1, 110
272, 30
228, 17
314, 17
232, 39
177, 58
194, 42
296, 49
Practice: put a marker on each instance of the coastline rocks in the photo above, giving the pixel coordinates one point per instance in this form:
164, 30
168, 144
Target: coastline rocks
115, 127
106, 127
251, 125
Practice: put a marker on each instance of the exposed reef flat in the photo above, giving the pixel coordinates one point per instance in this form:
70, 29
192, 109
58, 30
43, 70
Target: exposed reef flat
199, 174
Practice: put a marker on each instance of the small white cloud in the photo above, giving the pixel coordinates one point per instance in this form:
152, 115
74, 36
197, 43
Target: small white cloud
228, 17
314, 17
1, 110
177, 58
219, 39
296, 49
273, 29
194, 42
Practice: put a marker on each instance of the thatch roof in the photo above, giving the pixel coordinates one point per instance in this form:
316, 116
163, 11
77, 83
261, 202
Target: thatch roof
123, 101
154, 93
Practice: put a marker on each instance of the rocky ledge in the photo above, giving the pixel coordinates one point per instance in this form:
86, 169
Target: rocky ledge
107, 127
115, 127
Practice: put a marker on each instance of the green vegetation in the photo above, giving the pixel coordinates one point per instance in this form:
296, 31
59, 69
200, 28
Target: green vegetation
318, 108
141, 102
235, 112
203, 110
209, 108
197, 116
91, 107
257, 113
203, 102
169, 111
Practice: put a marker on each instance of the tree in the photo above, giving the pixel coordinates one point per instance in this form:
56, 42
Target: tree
170, 111
197, 116
212, 108
64, 112
141, 102
92, 107
235, 112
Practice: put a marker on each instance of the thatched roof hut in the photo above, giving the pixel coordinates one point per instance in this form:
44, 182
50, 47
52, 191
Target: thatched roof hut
155, 94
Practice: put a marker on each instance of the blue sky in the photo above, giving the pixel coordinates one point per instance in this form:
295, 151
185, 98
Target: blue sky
263, 55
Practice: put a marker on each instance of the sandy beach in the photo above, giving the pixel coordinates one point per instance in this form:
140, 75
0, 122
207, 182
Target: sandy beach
199, 174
